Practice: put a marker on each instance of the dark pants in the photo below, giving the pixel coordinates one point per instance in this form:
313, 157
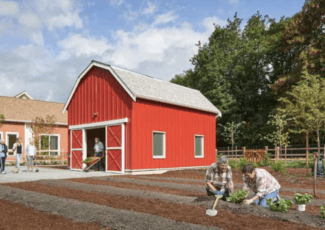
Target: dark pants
225, 194
3, 163
100, 164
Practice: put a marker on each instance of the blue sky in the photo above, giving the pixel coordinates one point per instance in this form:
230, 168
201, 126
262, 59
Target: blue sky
46, 44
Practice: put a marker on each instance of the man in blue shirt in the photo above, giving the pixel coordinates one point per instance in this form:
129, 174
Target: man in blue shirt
99, 152
3, 155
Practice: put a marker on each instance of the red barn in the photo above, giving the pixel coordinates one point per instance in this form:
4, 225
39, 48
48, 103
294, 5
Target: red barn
144, 123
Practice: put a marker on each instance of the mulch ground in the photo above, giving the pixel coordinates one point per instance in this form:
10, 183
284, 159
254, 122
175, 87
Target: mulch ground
17, 216
189, 214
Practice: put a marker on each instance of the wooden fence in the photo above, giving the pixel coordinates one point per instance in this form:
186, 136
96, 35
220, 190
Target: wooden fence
276, 153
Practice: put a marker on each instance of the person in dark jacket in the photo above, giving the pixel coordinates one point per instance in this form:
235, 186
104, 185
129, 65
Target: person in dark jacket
319, 165
3, 154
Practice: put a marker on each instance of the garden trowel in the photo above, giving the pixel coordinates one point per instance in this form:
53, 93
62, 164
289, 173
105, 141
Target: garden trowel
213, 212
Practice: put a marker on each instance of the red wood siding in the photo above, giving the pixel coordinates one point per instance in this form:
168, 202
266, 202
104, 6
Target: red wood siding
99, 92
181, 125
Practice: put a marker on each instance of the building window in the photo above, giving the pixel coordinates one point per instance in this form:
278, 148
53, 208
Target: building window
50, 144
11, 138
199, 146
159, 144
1, 135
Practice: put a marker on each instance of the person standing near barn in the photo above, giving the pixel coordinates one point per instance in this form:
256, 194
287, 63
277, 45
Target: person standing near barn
3, 155
263, 184
18, 150
218, 179
30, 154
99, 152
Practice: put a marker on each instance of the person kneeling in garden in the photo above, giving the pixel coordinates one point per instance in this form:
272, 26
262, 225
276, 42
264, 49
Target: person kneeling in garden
262, 183
218, 179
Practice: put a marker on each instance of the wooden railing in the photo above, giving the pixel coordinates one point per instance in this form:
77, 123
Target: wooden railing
276, 153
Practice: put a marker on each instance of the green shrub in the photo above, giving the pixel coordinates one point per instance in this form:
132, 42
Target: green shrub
238, 196
278, 166
322, 211
266, 161
232, 164
296, 164
302, 199
256, 165
280, 206
242, 162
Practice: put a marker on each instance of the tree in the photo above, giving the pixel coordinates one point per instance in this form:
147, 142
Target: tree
42, 126
232, 132
2, 119
280, 136
306, 104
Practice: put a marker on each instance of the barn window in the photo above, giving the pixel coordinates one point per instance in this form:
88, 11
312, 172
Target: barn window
159, 144
199, 146
50, 144
11, 140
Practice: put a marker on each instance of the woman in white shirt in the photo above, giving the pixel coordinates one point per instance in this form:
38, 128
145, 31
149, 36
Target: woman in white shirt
18, 151
30, 154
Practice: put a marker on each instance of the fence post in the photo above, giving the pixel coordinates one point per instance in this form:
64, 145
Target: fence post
236, 152
307, 139
216, 154
266, 150
277, 153
244, 149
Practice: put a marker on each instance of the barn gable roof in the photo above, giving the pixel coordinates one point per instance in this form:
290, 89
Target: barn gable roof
141, 86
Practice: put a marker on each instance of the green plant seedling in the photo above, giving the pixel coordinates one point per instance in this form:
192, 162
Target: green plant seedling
322, 211
238, 196
280, 206
302, 198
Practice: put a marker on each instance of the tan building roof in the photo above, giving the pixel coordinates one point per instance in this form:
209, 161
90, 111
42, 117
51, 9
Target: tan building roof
20, 110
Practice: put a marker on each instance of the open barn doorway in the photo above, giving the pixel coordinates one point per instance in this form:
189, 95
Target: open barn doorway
91, 135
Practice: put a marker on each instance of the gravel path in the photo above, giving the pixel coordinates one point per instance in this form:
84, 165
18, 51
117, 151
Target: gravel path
106, 216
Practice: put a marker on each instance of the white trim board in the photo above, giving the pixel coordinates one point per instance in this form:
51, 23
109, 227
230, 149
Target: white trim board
168, 169
99, 124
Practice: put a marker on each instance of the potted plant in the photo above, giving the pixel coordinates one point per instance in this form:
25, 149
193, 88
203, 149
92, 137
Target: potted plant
301, 201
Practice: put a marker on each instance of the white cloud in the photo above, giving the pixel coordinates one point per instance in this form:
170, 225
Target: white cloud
77, 46
208, 23
165, 18
30, 20
115, 2
8, 8
60, 21
150, 9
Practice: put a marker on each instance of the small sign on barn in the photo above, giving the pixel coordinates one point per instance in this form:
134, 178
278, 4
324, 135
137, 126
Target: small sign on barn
144, 123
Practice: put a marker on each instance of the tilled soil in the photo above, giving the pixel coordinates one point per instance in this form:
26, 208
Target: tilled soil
88, 212
19, 217
174, 211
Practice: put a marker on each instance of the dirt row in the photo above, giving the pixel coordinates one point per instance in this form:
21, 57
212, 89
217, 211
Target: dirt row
79, 206
174, 211
19, 217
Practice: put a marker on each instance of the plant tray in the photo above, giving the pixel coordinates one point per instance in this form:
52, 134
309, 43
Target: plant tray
88, 161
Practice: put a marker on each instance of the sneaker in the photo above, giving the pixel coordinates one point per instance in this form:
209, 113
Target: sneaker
3, 172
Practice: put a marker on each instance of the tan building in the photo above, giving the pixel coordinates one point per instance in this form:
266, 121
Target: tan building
20, 110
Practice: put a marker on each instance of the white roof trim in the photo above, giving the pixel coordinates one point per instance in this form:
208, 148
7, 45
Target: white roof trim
177, 104
99, 124
27, 95
28, 121
92, 64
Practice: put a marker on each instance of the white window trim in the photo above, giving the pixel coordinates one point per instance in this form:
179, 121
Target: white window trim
57, 135
164, 146
7, 142
202, 150
2, 137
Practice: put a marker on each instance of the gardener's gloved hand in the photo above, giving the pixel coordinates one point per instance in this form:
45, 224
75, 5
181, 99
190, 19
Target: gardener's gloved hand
248, 202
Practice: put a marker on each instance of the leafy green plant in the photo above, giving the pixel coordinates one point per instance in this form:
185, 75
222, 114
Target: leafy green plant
296, 164
232, 164
280, 206
278, 166
238, 196
242, 162
322, 211
266, 161
302, 198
